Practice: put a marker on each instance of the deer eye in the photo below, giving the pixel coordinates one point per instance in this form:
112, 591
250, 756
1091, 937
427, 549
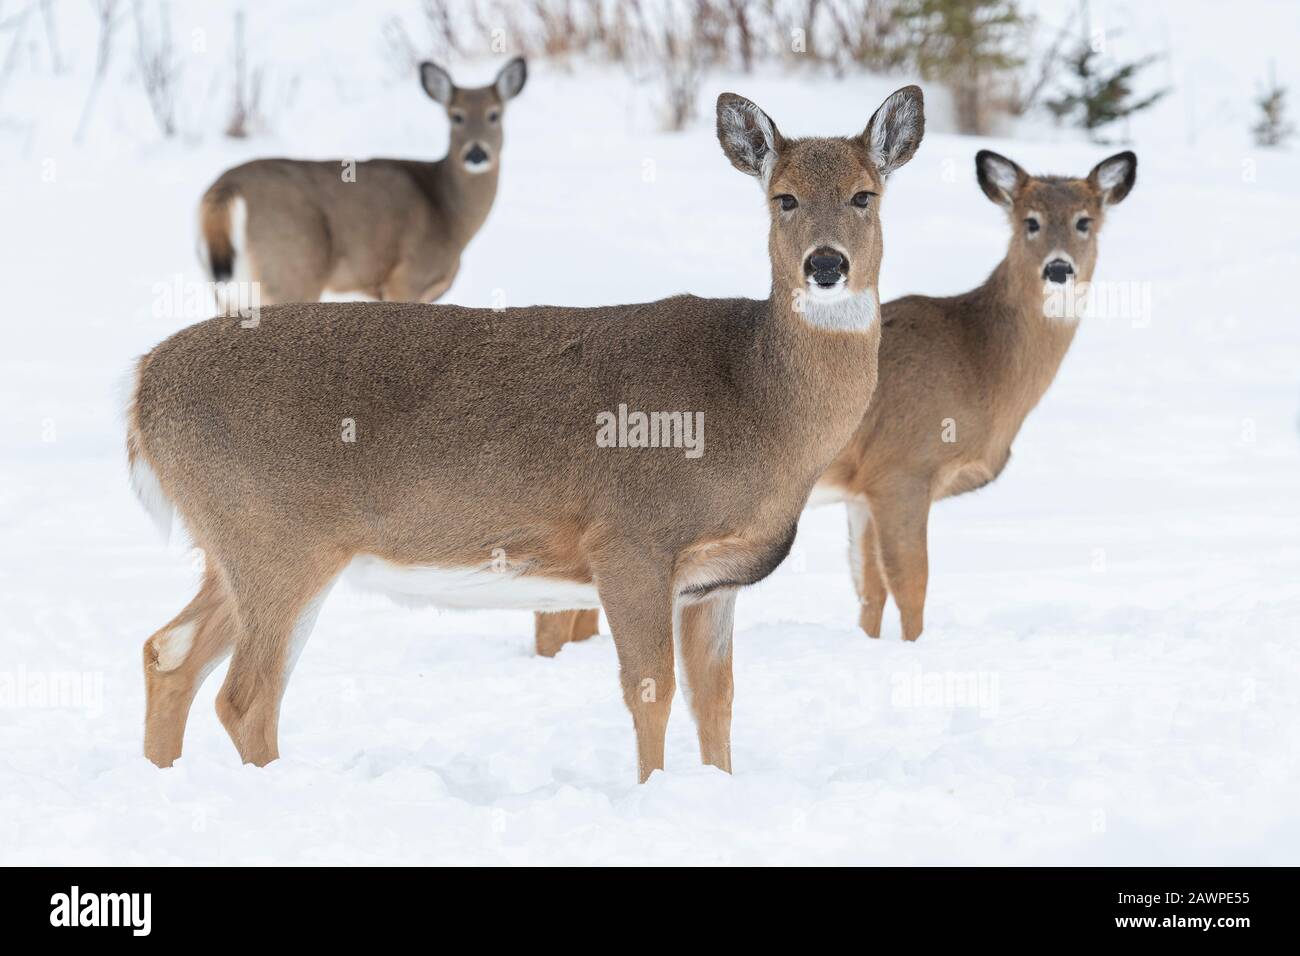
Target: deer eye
493, 116
1084, 224
863, 199
458, 117
1032, 225
787, 201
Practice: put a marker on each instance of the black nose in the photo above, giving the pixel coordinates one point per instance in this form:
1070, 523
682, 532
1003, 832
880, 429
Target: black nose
1058, 270
826, 266
477, 154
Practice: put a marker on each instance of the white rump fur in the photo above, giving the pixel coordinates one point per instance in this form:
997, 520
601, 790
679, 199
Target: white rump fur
151, 495
239, 238
232, 292
144, 482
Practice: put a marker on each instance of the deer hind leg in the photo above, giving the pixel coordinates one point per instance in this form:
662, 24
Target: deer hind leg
281, 288
638, 601
412, 282
177, 659
278, 603
901, 529
864, 559
704, 633
552, 630
585, 624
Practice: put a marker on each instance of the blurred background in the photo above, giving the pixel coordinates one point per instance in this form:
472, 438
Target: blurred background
95, 71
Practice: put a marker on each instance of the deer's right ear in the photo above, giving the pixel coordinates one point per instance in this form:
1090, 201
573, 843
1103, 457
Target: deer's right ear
1114, 177
437, 82
511, 79
895, 130
748, 136
999, 177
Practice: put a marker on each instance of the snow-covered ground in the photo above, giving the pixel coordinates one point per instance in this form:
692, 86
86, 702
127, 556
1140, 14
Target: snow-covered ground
1124, 599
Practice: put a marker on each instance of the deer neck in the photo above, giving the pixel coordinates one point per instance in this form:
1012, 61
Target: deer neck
1027, 345
816, 367
463, 199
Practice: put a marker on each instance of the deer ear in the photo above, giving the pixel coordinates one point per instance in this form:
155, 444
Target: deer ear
748, 136
1114, 177
999, 177
511, 79
895, 130
437, 82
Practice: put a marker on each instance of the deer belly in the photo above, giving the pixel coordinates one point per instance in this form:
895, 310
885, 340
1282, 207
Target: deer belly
470, 588
826, 494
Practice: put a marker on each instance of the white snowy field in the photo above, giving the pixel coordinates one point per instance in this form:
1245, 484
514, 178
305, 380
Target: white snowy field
1125, 597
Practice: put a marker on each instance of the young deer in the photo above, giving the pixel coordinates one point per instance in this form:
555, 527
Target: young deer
452, 454
958, 376
387, 228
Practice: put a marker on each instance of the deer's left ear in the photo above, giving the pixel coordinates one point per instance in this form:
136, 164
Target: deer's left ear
1113, 178
895, 130
511, 79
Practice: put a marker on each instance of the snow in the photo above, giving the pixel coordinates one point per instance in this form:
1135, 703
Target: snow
1109, 672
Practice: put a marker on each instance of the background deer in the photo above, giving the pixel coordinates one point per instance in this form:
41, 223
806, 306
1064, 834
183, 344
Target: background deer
456, 459
958, 376
387, 228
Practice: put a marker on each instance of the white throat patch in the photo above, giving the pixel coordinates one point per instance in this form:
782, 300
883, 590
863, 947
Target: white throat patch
841, 311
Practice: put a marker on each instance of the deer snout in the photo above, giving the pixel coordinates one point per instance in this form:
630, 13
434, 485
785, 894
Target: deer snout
826, 267
476, 158
1058, 270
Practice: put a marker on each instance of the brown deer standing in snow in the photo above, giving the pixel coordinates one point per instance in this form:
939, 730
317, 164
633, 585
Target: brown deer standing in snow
387, 228
958, 376
463, 456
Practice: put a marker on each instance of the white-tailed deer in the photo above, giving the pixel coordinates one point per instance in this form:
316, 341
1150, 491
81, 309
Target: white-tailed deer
462, 455
387, 228
958, 376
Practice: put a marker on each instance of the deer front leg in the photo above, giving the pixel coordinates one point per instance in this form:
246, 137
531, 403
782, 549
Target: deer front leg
901, 520
864, 559
704, 631
639, 604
